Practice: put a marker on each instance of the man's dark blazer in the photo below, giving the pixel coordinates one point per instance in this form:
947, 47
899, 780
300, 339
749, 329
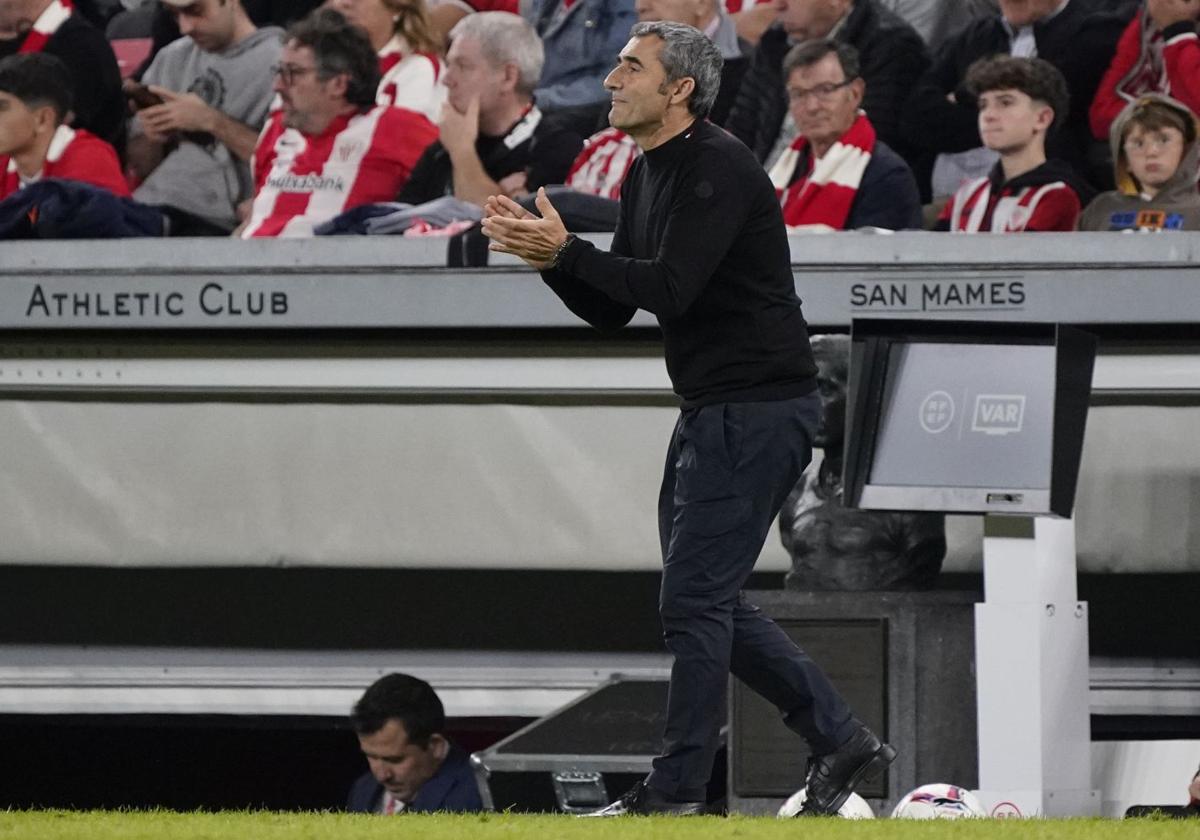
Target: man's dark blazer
452, 788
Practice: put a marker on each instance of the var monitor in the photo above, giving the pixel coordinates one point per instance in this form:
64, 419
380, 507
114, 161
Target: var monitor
966, 417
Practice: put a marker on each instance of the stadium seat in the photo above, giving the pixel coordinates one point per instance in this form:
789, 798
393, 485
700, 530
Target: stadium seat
130, 52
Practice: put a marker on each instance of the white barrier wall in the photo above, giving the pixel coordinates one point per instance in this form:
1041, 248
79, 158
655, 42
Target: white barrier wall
129, 442
154, 483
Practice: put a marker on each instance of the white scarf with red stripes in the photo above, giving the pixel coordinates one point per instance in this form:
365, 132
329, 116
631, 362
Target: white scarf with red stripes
46, 25
822, 201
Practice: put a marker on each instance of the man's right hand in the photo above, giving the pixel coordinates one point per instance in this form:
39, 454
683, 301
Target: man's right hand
458, 131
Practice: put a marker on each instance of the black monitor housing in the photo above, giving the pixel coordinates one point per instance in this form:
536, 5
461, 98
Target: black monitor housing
966, 417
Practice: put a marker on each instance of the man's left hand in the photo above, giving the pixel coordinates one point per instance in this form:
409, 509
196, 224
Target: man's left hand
179, 112
514, 230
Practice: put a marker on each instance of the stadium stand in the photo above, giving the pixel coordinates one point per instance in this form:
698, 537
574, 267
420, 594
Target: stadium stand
201, 105
891, 54
1078, 38
1158, 53
409, 51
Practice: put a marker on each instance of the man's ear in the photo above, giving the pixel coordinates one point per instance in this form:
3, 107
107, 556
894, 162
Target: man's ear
439, 746
512, 76
684, 88
45, 119
1045, 118
339, 84
858, 88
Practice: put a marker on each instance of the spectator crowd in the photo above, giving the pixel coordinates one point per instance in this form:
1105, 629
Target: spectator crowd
258, 118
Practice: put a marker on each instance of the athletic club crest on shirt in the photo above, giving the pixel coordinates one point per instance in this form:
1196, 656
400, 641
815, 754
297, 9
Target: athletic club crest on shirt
346, 152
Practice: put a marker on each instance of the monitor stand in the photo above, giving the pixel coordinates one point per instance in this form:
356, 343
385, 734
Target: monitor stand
1031, 660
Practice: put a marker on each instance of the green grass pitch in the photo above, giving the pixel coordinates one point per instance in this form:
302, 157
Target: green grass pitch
163, 825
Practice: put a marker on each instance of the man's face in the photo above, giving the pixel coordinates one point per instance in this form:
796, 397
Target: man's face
1009, 119
804, 20
401, 767
18, 124
210, 23
309, 102
823, 105
679, 11
638, 86
1020, 13
1153, 154
469, 74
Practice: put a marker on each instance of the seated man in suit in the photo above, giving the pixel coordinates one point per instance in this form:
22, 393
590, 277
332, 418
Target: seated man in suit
400, 723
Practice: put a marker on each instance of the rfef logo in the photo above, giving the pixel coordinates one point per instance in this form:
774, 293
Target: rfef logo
937, 412
998, 414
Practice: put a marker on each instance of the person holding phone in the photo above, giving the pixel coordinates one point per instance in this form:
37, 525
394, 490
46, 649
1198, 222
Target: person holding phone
199, 109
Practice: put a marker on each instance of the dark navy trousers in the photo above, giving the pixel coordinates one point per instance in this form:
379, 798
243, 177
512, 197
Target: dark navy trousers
729, 468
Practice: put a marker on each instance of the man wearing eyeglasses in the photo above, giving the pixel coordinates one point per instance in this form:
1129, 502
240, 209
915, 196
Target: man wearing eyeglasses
836, 175
200, 107
330, 147
892, 57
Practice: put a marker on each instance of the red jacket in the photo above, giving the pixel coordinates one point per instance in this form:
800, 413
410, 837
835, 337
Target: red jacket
1181, 58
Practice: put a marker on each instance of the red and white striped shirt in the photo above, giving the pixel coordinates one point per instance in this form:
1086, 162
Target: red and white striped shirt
410, 79
1027, 203
603, 164
361, 158
74, 155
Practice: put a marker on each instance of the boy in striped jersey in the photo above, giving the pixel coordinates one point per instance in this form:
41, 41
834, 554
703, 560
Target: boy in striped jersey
1021, 100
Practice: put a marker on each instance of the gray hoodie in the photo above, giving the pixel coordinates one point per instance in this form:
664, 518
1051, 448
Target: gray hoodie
1177, 204
207, 180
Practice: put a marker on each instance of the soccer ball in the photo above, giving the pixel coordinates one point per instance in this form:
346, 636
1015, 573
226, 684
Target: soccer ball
946, 802
854, 808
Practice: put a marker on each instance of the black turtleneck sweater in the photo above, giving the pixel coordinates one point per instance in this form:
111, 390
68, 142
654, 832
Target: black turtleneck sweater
700, 243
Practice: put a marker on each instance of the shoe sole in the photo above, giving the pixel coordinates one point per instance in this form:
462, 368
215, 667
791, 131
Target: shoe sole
870, 768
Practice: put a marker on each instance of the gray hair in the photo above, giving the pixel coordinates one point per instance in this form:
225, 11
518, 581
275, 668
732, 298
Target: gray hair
808, 53
506, 38
687, 53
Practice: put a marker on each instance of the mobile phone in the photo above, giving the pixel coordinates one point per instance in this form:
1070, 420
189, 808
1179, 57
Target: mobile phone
142, 96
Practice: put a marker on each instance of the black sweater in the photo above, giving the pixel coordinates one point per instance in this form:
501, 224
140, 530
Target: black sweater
700, 243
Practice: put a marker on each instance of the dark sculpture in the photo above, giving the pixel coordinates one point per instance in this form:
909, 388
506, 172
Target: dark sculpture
839, 548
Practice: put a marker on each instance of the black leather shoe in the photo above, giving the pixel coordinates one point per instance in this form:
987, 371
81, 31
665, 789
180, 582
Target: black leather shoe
643, 799
832, 778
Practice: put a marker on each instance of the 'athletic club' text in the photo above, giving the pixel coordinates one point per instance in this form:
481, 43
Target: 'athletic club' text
211, 300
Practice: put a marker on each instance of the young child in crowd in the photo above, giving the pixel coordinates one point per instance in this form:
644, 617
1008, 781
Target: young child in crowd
1155, 159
